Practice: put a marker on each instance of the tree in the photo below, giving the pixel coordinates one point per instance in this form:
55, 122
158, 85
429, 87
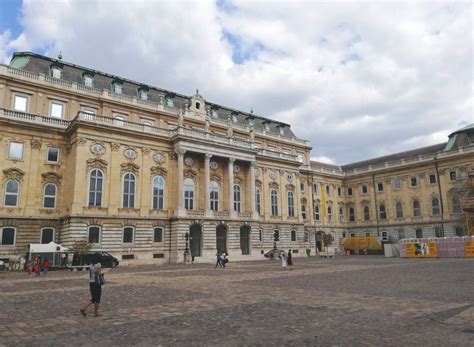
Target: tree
327, 240
81, 247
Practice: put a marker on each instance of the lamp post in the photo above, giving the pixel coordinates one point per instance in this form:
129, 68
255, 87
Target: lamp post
186, 249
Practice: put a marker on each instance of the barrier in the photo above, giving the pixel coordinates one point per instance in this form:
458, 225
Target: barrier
438, 247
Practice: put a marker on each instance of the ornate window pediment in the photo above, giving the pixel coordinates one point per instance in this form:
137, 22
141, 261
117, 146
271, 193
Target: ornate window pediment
158, 170
190, 174
273, 185
13, 174
51, 177
290, 187
238, 180
130, 167
258, 183
216, 178
96, 163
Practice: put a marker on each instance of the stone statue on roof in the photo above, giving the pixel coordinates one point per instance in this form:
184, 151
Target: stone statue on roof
180, 118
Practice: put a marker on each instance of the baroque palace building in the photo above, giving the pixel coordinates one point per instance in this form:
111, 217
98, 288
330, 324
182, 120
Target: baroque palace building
148, 174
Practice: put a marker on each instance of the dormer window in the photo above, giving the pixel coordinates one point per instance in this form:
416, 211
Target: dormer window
214, 113
56, 72
233, 118
266, 126
250, 122
281, 131
117, 87
89, 81
169, 101
143, 94
198, 105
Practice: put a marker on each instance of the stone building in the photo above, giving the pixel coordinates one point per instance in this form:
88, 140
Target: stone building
150, 175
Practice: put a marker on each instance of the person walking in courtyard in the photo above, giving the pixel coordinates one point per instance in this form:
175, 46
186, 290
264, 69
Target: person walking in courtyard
224, 259
218, 260
284, 263
29, 268
45, 266
36, 268
96, 280
290, 260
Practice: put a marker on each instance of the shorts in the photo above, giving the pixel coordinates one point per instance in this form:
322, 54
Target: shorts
96, 292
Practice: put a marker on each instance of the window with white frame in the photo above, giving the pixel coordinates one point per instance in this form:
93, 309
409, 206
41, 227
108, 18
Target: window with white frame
15, 151
49, 200
432, 179
117, 87
56, 72
93, 234
274, 202
143, 94
258, 200
88, 81
47, 235
169, 101
413, 181
435, 210
399, 210
158, 190
89, 110
382, 212
365, 189
56, 109
158, 234
52, 155
291, 204
380, 186
416, 208
20, 102
303, 209
317, 212
341, 214
329, 213
302, 186
96, 180
119, 119
453, 175
12, 193
188, 194
351, 214
366, 213
293, 235
214, 195
456, 204
7, 237
128, 234
396, 183
237, 198
129, 181
349, 191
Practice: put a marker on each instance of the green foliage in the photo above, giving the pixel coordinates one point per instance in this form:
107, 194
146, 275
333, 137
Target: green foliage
327, 239
81, 247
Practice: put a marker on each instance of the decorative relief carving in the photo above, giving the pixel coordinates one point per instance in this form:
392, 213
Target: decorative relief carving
258, 183
159, 157
238, 180
13, 174
97, 148
158, 170
172, 155
94, 221
81, 141
290, 187
146, 150
273, 185
35, 144
51, 177
96, 163
236, 168
214, 165
216, 178
115, 146
273, 174
130, 167
130, 153
190, 174
188, 161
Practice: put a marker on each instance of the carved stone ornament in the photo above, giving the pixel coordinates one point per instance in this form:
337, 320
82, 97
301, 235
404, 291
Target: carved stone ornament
158, 171
115, 146
35, 144
97, 148
213, 165
289, 176
130, 167
238, 180
130, 153
159, 158
81, 141
258, 183
190, 174
146, 150
290, 187
273, 174
96, 163
188, 161
51, 177
236, 168
273, 185
172, 155
13, 174
216, 178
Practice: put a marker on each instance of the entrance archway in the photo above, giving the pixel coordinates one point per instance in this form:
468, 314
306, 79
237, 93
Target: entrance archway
245, 239
319, 241
221, 238
195, 236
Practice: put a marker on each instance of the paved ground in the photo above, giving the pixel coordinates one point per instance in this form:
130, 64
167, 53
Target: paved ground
347, 301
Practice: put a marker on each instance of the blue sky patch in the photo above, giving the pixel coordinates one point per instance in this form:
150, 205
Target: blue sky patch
240, 52
10, 13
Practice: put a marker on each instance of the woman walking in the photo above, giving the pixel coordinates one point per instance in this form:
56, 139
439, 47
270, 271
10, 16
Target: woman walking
290, 260
284, 262
96, 280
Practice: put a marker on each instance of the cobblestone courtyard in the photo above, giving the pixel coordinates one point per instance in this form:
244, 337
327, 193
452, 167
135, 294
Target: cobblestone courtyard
346, 301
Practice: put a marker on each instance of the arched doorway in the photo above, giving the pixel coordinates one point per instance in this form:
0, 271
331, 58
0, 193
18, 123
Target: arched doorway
221, 238
245, 239
195, 236
319, 241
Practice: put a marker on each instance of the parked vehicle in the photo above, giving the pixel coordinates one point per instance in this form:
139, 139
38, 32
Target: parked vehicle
274, 253
104, 258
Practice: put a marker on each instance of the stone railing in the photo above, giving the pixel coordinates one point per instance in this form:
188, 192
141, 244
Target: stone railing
278, 155
34, 118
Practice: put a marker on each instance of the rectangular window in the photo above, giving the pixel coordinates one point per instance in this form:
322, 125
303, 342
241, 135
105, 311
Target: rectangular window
8, 236
20, 102
89, 81
349, 191
384, 236
339, 191
158, 235
418, 233
260, 235
365, 189
328, 190
94, 234
117, 88
56, 109
53, 155
401, 234
119, 119
47, 235
396, 183
315, 188
302, 186
293, 235
459, 231
143, 94
439, 232
128, 235
432, 179
15, 151
452, 175
413, 182
56, 72
380, 187
89, 110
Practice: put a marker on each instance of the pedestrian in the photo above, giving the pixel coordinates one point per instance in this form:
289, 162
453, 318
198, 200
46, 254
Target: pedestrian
284, 262
218, 260
45, 266
36, 268
96, 280
29, 267
224, 259
290, 260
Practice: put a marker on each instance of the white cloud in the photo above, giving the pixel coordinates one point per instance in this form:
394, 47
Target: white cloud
356, 79
323, 159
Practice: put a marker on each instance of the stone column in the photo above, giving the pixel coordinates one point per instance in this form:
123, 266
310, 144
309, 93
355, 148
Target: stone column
207, 177
180, 211
253, 166
230, 170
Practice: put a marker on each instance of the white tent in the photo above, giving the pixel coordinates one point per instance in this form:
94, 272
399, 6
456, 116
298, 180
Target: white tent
47, 248
53, 251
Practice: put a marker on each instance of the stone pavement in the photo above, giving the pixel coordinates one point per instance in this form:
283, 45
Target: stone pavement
346, 301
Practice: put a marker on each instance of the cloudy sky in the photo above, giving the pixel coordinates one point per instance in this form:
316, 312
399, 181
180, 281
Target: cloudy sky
357, 79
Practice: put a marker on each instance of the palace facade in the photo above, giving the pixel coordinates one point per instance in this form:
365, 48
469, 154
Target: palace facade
152, 176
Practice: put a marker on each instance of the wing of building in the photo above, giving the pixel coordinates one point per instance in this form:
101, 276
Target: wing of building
153, 176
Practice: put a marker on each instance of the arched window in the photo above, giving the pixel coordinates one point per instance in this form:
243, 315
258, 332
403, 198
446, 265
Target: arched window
456, 204
366, 213
382, 212
399, 209
351, 214
128, 236
237, 197
128, 190
341, 214
95, 188
214, 195
93, 234
329, 213
158, 192
258, 200
291, 204
274, 202
12, 192
293, 235
303, 209
189, 194
47, 235
416, 208
435, 206
7, 236
49, 197
317, 213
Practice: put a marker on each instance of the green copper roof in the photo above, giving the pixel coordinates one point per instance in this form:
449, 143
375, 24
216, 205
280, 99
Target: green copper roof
467, 127
19, 62
451, 142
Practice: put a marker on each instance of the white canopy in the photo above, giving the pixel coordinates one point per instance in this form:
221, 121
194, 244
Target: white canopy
47, 248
